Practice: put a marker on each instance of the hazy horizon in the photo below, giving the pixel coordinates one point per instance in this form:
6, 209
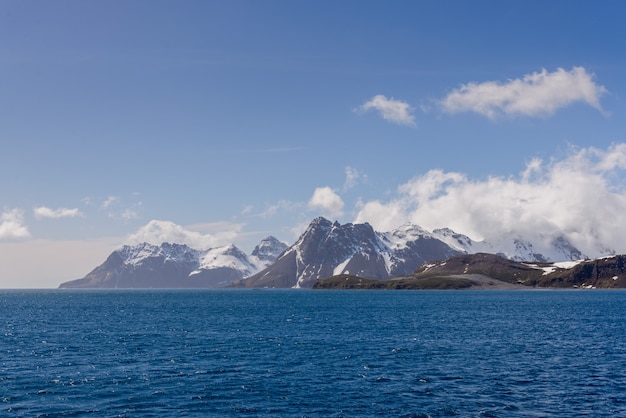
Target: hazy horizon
228, 121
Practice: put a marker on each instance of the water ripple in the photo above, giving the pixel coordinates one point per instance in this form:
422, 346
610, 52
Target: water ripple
304, 353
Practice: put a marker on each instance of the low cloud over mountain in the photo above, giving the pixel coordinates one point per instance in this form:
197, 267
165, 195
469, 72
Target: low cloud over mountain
580, 198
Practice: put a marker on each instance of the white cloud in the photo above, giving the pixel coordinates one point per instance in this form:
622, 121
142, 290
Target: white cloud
353, 177
395, 111
157, 232
581, 196
383, 216
115, 207
280, 206
44, 212
110, 201
325, 199
223, 232
129, 214
536, 94
12, 225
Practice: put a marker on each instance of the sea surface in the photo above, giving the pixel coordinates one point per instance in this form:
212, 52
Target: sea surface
296, 353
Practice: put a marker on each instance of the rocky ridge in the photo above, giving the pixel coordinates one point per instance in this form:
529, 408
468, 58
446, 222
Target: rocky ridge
490, 271
178, 266
325, 249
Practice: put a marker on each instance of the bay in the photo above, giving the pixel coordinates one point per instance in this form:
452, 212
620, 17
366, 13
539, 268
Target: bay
312, 353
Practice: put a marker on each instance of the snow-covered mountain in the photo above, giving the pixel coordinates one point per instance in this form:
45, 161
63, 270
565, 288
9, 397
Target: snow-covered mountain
267, 251
326, 249
514, 247
178, 266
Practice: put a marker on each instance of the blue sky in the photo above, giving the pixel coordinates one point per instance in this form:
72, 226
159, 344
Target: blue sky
227, 121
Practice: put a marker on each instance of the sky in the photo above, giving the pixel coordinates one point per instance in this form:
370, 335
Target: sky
218, 122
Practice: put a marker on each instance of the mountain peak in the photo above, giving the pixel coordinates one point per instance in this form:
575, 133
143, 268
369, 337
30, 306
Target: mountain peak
269, 249
171, 265
321, 222
136, 254
399, 237
325, 249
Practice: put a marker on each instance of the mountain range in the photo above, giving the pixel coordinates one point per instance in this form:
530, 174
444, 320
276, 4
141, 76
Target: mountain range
178, 266
325, 249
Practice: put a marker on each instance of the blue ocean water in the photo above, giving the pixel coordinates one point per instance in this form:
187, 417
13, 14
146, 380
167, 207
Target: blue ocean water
288, 353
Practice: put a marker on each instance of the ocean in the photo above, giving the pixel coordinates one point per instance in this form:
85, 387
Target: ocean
304, 353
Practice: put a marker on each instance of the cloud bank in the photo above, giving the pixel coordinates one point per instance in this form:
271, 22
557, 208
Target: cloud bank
12, 225
536, 94
44, 212
395, 111
581, 196
157, 232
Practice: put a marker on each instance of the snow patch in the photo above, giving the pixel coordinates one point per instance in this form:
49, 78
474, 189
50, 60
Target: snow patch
428, 267
339, 269
399, 238
229, 256
560, 265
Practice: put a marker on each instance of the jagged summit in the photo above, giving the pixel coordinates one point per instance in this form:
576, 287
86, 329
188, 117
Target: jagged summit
328, 248
269, 249
171, 265
324, 249
136, 254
